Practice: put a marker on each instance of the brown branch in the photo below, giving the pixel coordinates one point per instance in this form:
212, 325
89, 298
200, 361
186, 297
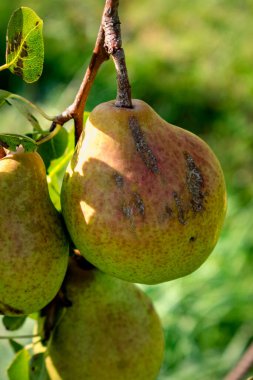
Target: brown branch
108, 43
2, 152
243, 367
98, 57
76, 109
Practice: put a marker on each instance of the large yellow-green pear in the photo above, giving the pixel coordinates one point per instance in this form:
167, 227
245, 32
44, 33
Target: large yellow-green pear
111, 331
143, 200
33, 246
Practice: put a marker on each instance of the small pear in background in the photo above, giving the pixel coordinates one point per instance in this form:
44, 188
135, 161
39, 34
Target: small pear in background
143, 200
34, 248
111, 331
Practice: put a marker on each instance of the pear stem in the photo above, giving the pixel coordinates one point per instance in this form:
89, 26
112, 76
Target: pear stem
108, 43
113, 46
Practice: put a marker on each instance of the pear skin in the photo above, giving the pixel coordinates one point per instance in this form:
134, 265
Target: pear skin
34, 246
143, 200
111, 331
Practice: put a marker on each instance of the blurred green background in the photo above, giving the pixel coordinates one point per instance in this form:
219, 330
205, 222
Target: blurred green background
193, 63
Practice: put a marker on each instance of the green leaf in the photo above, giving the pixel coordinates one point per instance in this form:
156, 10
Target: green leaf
54, 148
13, 323
27, 110
15, 345
25, 47
85, 116
19, 368
34, 316
4, 96
57, 170
12, 141
25, 107
37, 367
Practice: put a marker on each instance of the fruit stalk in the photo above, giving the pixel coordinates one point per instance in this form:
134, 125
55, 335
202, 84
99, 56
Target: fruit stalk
113, 46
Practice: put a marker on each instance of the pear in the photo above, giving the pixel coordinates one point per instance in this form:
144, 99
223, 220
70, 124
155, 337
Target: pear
34, 247
143, 200
111, 331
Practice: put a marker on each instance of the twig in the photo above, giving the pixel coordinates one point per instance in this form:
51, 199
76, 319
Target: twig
76, 109
243, 367
2, 152
19, 336
108, 43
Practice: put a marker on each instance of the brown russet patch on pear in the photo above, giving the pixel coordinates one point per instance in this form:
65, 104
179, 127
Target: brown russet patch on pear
180, 210
119, 180
166, 214
195, 183
168, 211
139, 204
134, 207
127, 211
142, 146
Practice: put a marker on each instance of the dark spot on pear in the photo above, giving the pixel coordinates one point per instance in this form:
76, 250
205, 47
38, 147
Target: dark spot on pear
119, 180
192, 239
195, 183
168, 211
142, 147
127, 211
180, 210
139, 204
